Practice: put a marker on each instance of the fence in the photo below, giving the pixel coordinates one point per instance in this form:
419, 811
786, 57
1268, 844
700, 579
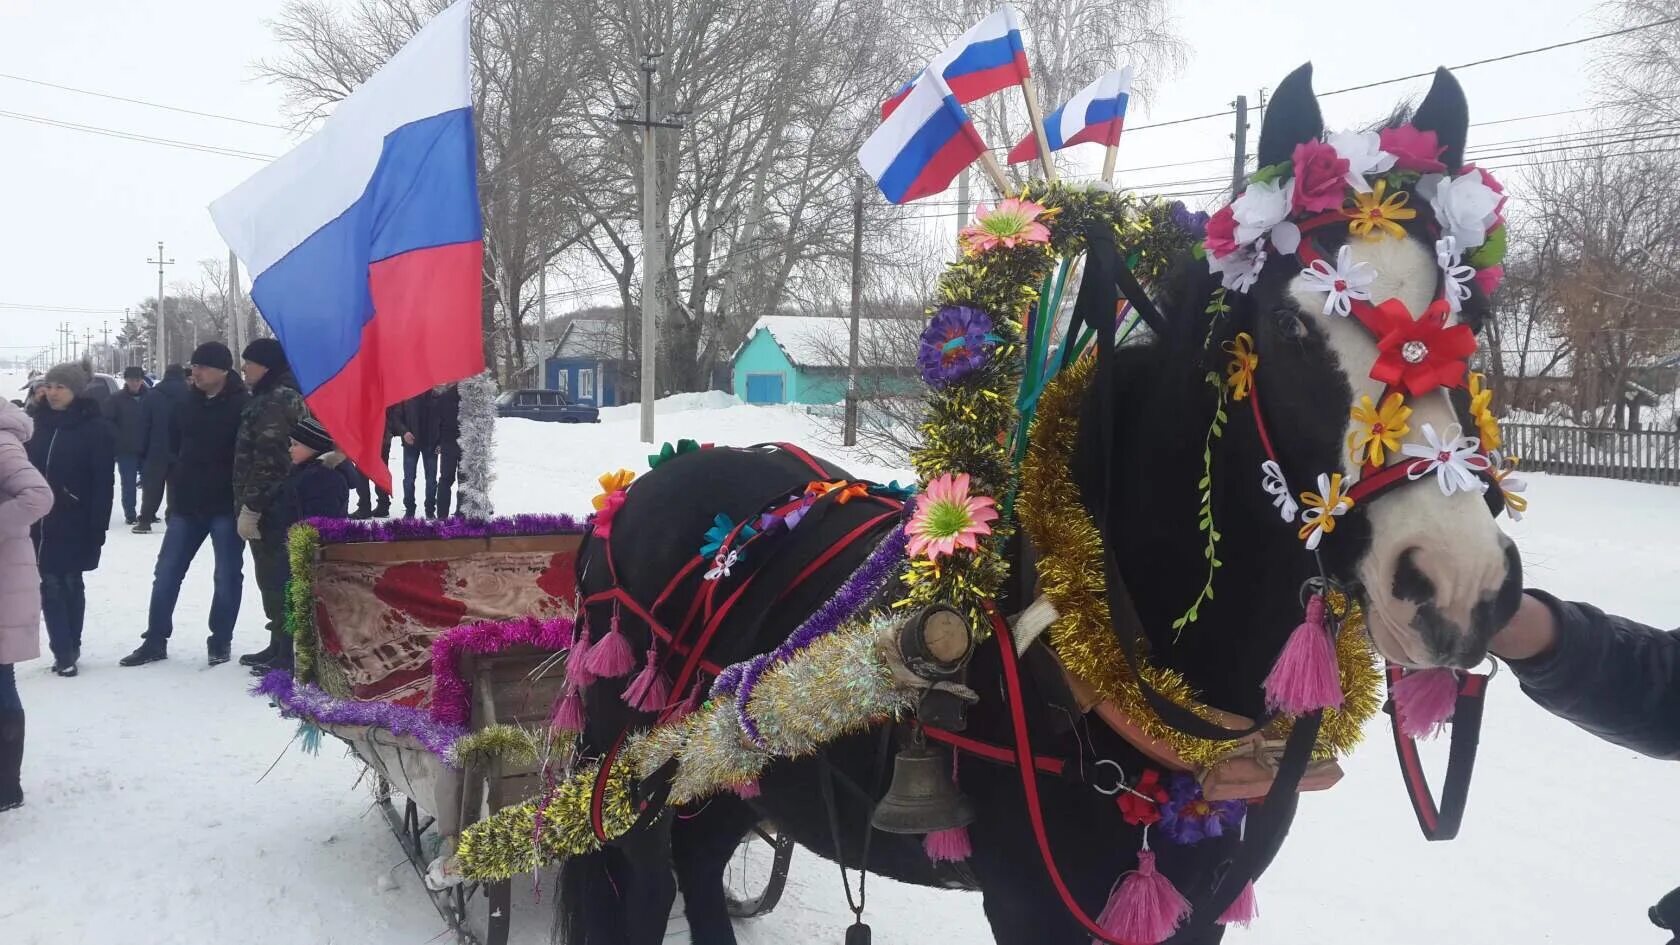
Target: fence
1636, 455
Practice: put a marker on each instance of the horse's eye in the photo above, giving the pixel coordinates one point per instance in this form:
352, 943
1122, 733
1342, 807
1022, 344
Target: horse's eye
1291, 322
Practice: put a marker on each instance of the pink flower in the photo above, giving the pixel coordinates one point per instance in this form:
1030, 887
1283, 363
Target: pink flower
1013, 222
1489, 279
604, 517
948, 518
1222, 232
1320, 178
1414, 150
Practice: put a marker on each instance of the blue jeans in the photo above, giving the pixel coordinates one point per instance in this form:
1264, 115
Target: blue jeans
128, 476
182, 538
10, 701
413, 455
63, 606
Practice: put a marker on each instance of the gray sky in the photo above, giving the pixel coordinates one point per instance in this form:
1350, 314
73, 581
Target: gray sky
80, 213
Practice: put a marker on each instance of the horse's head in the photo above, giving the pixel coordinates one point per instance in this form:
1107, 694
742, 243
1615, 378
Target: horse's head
1436, 574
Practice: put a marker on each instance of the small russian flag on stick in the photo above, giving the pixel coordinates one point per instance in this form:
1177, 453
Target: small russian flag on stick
924, 144
987, 58
1095, 115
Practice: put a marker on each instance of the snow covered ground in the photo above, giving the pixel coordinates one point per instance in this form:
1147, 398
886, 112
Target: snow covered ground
154, 817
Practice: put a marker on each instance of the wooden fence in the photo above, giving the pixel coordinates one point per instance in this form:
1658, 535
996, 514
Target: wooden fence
1636, 455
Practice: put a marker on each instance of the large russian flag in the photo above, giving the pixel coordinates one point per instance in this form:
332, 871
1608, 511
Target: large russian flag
365, 242
989, 57
1095, 115
923, 145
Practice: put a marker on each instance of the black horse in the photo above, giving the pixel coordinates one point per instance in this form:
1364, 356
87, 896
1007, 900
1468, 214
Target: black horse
1434, 573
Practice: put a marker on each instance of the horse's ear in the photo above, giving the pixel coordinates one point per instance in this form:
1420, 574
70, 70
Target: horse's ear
1292, 118
1445, 112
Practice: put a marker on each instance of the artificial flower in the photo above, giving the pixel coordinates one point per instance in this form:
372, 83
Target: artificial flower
955, 343
1320, 178
719, 533
1343, 284
603, 519
1465, 207
1222, 232
1456, 276
1271, 480
1188, 817
668, 451
1240, 270
1481, 410
1363, 152
1494, 185
1322, 509
843, 491
1193, 223
948, 518
1489, 279
1140, 804
1239, 374
893, 490
722, 565
1455, 460
1262, 210
1413, 150
1379, 213
610, 483
1505, 477
1014, 222
1420, 354
1381, 429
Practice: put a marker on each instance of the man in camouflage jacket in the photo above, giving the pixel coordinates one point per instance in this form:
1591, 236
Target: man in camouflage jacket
261, 462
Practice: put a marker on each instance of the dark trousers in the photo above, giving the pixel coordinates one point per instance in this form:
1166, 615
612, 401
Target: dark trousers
63, 604
413, 456
128, 477
268, 553
362, 495
10, 701
448, 463
152, 481
182, 538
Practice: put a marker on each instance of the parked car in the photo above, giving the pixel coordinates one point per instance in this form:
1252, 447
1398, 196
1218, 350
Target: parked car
550, 405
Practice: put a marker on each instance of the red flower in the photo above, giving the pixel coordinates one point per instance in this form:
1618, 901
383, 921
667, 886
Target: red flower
1419, 355
1413, 150
1145, 810
1320, 178
1222, 233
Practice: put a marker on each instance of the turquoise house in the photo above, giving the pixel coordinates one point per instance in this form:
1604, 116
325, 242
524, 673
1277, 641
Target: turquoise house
792, 359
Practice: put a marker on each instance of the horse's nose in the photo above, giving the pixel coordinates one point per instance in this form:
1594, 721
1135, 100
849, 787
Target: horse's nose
1459, 603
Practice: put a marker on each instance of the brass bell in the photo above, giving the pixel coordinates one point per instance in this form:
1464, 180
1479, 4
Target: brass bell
922, 798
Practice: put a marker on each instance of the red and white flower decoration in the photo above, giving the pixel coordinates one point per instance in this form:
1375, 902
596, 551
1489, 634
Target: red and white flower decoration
1343, 283
1263, 210
1465, 206
1455, 459
723, 564
1422, 354
1365, 156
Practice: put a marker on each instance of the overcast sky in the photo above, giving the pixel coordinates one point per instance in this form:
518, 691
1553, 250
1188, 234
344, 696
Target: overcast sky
80, 213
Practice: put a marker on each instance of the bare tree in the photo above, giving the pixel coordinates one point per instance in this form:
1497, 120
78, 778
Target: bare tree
1639, 75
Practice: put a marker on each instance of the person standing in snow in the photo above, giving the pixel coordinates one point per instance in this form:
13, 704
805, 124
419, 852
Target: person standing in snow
261, 462
125, 411
75, 451
201, 506
448, 412
363, 509
157, 442
430, 428
25, 498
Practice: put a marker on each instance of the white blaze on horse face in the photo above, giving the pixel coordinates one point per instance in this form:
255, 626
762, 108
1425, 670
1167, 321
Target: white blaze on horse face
1451, 540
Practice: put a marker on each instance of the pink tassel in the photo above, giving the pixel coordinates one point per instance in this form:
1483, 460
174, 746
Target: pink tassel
746, 790
577, 672
1424, 701
1243, 910
1144, 907
690, 705
948, 846
1305, 677
568, 716
610, 657
650, 691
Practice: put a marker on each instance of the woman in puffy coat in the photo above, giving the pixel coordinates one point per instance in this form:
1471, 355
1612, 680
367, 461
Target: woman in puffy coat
24, 498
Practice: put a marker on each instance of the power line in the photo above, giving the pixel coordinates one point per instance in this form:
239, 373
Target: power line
70, 309
144, 139
141, 101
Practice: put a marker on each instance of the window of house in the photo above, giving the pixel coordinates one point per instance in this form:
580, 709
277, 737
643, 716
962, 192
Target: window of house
586, 384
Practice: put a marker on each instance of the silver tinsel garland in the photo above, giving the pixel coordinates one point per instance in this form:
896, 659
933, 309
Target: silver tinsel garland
478, 445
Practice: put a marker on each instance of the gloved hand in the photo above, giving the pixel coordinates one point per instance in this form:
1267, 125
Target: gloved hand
248, 519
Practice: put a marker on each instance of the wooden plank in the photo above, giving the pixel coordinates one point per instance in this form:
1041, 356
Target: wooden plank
440, 549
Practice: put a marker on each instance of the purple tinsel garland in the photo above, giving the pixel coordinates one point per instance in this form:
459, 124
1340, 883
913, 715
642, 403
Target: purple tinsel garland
338, 531
308, 702
859, 589
451, 695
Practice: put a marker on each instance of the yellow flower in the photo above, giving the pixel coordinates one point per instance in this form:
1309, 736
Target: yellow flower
1319, 518
1481, 410
1372, 215
1504, 475
610, 483
1239, 374
1384, 428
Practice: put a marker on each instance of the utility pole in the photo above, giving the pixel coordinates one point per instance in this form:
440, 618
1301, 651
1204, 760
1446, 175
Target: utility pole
1240, 161
850, 433
231, 307
962, 199
542, 325
653, 249
162, 328
110, 355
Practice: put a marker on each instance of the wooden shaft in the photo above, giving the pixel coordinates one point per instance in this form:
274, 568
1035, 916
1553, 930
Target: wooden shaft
1037, 117
989, 164
1108, 163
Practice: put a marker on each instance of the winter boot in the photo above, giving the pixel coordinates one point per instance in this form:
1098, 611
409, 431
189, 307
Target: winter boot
383, 508
150, 651
217, 652
142, 528
11, 760
265, 654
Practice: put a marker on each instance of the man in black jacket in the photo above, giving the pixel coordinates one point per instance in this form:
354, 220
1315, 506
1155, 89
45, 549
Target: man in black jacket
430, 429
157, 439
125, 411
201, 506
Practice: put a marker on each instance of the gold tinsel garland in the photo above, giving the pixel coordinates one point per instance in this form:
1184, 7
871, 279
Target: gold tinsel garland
1071, 575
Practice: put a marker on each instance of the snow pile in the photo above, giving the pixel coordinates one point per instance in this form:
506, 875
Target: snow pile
676, 403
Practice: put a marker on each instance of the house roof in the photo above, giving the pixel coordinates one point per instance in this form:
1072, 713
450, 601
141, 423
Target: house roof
825, 342
595, 339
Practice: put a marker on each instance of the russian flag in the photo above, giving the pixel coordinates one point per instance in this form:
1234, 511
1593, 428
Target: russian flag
989, 57
365, 242
923, 145
1095, 115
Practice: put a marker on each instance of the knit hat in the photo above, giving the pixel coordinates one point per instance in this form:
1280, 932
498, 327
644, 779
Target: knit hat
213, 354
134, 372
266, 352
70, 374
175, 371
310, 433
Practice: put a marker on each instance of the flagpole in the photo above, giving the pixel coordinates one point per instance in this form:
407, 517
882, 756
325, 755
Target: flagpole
1108, 162
989, 164
1031, 93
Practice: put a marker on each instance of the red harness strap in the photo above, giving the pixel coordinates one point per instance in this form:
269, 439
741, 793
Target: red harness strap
1442, 822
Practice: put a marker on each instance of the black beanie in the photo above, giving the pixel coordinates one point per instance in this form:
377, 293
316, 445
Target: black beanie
310, 433
266, 352
213, 354
134, 373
